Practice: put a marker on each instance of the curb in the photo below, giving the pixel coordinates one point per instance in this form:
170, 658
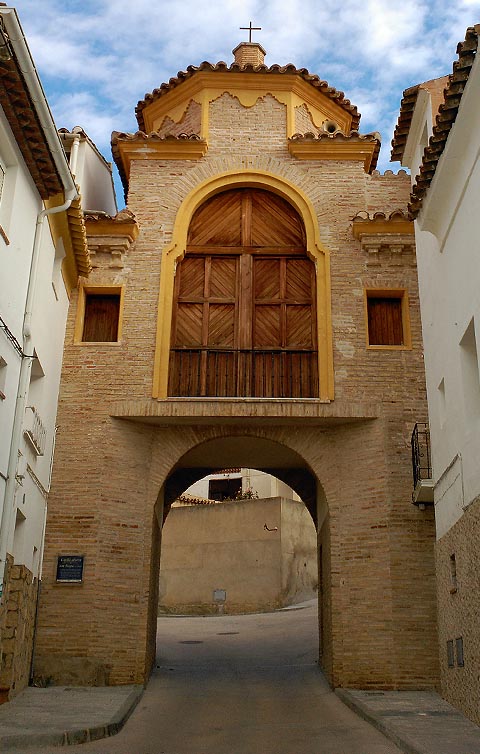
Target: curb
362, 711
75, 735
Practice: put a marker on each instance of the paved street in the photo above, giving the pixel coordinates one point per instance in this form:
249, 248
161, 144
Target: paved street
240, 685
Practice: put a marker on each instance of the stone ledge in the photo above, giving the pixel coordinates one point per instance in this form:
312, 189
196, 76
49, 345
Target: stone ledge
239, 410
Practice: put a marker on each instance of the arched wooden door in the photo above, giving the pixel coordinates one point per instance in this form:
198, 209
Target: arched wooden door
244, 318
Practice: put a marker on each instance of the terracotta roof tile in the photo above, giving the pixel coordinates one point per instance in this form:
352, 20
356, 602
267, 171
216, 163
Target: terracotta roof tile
123, 217
222, 67
119, 136
340, 137
22, 116
78, 235
397, 214
447, 114
407, 106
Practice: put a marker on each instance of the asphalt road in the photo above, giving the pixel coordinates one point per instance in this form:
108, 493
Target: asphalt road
244, 684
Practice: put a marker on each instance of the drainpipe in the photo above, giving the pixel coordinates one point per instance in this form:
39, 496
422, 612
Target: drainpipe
74, 153
29, 72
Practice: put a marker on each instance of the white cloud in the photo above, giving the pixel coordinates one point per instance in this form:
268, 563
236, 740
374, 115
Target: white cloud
98, 58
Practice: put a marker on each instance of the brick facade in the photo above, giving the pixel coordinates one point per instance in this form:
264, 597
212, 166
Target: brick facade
117, 448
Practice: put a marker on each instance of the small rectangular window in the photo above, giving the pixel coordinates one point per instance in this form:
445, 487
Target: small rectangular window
102, 312
450, 654
470, 371
387, 318
99, 314
453, 574
3, 377
442, 404
224, 489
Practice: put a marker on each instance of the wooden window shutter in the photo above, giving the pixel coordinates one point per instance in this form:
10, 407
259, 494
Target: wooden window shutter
102, 312
385, 321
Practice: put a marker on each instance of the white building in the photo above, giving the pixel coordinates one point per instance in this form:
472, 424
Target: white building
443, 155
231, 483
43, 251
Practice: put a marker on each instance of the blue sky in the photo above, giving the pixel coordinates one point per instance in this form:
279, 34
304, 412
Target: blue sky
97, 59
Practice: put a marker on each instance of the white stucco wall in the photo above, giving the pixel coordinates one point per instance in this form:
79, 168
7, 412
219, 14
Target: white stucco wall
19, 206
448, 253
263, 484
94, 175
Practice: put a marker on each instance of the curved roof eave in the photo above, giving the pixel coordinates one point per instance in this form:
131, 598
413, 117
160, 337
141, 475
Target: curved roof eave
234, 68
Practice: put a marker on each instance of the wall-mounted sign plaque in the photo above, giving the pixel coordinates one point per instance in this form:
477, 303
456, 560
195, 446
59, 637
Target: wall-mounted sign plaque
70, 569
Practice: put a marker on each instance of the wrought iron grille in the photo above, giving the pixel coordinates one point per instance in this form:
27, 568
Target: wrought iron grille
34, 430
268, 373
421, 456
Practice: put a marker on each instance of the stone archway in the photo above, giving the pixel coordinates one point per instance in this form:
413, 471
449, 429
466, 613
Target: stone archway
107, 624
204, 545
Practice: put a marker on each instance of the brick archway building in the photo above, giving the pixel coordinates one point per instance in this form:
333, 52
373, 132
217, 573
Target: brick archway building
134, 433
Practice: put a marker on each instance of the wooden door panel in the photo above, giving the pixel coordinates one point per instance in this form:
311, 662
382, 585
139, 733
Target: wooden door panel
299, 276
267, 375
266, 278
185, 373
221, 326
244, 317
299, 327
274, 221
218, 222
302, 374
267, 327
191, 274
221, 374
189, 325
223, 277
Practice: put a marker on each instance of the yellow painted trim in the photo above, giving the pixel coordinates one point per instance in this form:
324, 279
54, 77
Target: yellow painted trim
177, 113
205, 124
70, 227
385, 227
390, 293
174, 253
318, 116
334, 149
159, 149
288, 89
80, 317
59, 229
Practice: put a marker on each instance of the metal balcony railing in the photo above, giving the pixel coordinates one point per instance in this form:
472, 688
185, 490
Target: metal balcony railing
34, 430
265, 373
421, 463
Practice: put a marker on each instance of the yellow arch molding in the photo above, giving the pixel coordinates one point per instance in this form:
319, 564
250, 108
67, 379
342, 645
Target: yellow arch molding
174, 252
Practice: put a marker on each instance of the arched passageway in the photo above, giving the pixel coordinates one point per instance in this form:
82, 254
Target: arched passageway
112, 617
264, 455
237, 541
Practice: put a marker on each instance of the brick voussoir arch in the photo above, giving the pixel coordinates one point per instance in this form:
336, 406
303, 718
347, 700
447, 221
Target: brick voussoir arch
309, 457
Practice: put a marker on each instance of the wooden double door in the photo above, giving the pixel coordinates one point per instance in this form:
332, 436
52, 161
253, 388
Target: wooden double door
244, 318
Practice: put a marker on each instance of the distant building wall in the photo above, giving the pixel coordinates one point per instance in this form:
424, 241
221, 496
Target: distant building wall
226, 546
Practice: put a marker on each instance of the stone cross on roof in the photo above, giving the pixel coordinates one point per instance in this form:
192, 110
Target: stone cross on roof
250, 28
